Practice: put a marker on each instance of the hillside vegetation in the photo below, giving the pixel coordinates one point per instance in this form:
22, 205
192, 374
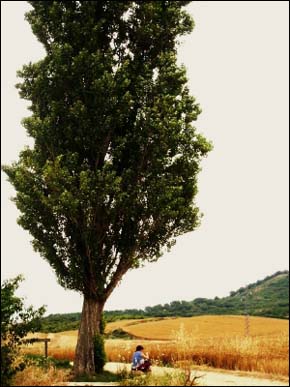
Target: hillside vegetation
266, 298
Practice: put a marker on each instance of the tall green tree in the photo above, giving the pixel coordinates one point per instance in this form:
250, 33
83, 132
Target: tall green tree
112, 176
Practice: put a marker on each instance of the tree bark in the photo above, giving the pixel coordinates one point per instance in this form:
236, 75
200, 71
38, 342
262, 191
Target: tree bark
90, 325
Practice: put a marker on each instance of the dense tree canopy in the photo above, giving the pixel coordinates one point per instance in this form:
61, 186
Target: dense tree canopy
112, 176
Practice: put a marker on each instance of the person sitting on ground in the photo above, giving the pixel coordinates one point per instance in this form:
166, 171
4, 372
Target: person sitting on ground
140, 362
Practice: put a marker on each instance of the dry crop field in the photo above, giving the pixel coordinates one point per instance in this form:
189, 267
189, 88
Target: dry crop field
201, 327
215, 341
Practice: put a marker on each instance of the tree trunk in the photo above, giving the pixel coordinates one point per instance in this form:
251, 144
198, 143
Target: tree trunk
90, 325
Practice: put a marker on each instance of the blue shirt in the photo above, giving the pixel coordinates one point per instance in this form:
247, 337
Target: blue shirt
137, 358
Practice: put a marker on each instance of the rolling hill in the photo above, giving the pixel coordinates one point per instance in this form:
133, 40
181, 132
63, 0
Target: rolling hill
268, 298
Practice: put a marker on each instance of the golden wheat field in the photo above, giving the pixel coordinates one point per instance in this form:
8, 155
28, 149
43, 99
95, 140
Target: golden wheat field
215, 341
202, 327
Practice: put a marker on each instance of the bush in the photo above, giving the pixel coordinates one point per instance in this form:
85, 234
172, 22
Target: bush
9, 364
119, 333
16, 322
99, 352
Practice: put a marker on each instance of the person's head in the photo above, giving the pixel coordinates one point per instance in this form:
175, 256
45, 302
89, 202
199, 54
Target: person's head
139, 348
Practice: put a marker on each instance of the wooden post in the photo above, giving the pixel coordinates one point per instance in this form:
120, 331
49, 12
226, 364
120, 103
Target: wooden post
37, 340
45, 348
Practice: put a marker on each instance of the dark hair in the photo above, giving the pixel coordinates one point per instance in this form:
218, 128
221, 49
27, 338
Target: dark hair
139, 348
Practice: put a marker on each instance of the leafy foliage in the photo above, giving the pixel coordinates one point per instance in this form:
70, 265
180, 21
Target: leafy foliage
16, 322
112, 176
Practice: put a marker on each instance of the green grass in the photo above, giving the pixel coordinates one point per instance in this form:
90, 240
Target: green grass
167, 379
46, 362
103, 377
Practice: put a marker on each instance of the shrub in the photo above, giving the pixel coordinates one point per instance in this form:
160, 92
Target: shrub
99, 353
16, 322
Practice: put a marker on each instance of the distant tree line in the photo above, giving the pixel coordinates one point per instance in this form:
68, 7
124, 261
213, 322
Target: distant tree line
268, 298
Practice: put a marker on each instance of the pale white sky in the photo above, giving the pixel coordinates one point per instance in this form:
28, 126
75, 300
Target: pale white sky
237, 62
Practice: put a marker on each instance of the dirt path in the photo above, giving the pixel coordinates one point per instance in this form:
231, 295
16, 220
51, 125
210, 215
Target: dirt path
87, 384
209, 378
